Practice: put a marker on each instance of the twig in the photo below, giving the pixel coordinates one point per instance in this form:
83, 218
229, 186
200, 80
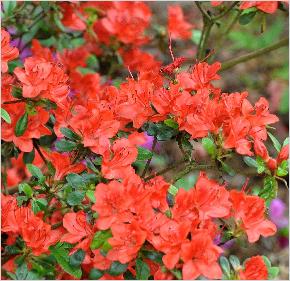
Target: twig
229, 64
149, 160
222, 14
165, 170
35, 145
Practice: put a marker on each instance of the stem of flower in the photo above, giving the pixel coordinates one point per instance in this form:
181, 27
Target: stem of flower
149, 160
229, 64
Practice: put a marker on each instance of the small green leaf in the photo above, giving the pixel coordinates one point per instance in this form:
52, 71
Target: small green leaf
117, 268
75, 180
143, 153
227, 169
91, 195
38, 205
250, 161
282, 170
95, 274
75, 198
172, 190
21, 125
152, 255
261, 167
25, 188
195, 36
65, 145
209, 145
235, 262
77, 258
61, 253
269, 190
68, 133
142, 270
267, 261
36, 172
247, 16
28, 157
273, 272
171, 123
8, 7
275, 142
286, 141
100, 238
5, 116
225, 265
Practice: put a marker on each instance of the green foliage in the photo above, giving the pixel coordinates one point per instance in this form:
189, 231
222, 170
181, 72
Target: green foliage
77, 258
209, 145
61, 253
144, 154
5, 116
21, 125
142, 270
68, 133
117, 268
282, 170
160, 130
100, 238
38, 205
95, 274
26, 189
275, 142
36, 172
65, 145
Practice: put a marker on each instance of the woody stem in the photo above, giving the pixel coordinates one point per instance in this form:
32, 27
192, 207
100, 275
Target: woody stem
150, 159
229, 64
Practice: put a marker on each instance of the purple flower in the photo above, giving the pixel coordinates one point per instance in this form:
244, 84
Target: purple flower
278, 214
149, 142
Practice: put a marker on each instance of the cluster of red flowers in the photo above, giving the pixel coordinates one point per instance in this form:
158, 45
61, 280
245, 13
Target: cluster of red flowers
134, 214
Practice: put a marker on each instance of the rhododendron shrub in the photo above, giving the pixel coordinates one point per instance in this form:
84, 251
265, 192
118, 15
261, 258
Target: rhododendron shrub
87, 106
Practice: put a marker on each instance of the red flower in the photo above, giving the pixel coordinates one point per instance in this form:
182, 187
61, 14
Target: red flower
79, 230
200, 257
249, 214
178, 27
42, 78
126, 241
126, 21
211, 199
8, 53
71, 19
269, 7
35, 127
172, 235
63, 165
41, 52
38, 235
99, 261
283, 154
95, 127
124, 153
255, 269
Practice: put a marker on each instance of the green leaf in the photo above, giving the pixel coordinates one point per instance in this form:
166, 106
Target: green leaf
5, 116
8, 7
225, 265
28, 157
85, 70
75, 198
21, 125
273, 272
160, 130
77, 258
247, 16
267, 261
25, 188
143, 153
36, 172
17, 92
171, 123
270, 189
95, 274
68, 133
195, 36
65, 145
235, 262
286, 141
142, 270
261, 167
250, 161
21, 199
21, 272
209, 145
282, 170
91, 195
275, 142
100, 238
172, 190
117, 268
61, 253
38, 205
152, 255
75, 180
227, 169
